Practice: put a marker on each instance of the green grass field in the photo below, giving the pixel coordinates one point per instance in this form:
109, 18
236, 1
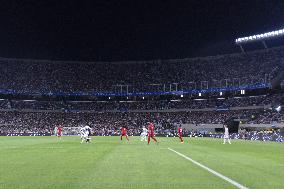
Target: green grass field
45, 162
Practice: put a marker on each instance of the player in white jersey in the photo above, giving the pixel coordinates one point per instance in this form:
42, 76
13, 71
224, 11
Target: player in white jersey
226, 135
144, 134
85, 133
82, 133
55, 131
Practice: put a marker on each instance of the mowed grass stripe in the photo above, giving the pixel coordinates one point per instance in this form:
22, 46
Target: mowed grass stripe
238, 185
31, 167
45, 162
134, 164
255, 164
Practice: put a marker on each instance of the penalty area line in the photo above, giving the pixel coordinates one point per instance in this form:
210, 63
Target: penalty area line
238, 185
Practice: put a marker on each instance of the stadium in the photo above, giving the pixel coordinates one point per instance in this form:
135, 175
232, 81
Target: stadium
202, 121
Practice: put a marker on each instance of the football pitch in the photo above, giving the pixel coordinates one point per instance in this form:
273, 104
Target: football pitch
46, 162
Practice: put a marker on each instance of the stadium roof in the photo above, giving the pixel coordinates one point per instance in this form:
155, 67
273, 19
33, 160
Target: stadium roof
134, 30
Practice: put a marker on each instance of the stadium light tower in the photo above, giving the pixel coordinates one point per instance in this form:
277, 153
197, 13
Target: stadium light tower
259, 37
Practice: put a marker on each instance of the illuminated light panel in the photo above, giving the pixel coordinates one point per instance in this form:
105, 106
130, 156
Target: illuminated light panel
258, 37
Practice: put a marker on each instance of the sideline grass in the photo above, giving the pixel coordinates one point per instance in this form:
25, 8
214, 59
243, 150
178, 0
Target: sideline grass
45, 162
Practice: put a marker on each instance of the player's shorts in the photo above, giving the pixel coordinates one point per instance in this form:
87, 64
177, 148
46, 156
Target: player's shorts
180, 134
59, 134
143, 134
226, 136
124, 134
151, 135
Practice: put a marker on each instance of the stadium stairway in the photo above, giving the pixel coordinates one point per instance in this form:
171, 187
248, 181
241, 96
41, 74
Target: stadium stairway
275, 83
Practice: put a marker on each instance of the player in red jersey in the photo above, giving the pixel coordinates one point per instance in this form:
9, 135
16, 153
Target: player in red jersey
151, 133
59, 131
180, 134
124, 133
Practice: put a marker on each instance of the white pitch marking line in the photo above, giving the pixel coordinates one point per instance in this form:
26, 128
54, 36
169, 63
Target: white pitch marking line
211, 170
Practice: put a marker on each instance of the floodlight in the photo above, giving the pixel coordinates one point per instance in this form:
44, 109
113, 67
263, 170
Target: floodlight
261, 37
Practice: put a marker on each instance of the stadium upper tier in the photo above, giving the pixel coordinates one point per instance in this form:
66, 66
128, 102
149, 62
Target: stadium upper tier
46, 77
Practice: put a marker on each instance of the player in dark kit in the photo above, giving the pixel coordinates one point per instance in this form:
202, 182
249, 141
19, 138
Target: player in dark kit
151, 133
180, 134
124, 133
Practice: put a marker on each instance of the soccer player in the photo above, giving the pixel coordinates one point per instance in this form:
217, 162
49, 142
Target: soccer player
226, 135
85, 134
59, 131
55, 130
82, 134
180, 134
151, 133
144, 134
124, 133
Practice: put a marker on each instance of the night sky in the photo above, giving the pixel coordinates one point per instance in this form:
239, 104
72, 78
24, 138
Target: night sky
131, 30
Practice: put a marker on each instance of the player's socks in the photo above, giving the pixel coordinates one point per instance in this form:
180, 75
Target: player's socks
148, 140
120, 137
127, 138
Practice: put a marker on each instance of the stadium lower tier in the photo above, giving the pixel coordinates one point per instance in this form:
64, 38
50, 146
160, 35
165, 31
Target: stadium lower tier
275, 136
109, 123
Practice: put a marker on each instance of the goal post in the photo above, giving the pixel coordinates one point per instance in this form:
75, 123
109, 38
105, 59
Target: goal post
71, 131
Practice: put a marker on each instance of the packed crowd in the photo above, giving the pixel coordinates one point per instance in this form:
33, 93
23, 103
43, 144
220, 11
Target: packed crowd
33, 76
102, 123
267, 117
102, 106
110, 122
106, 117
